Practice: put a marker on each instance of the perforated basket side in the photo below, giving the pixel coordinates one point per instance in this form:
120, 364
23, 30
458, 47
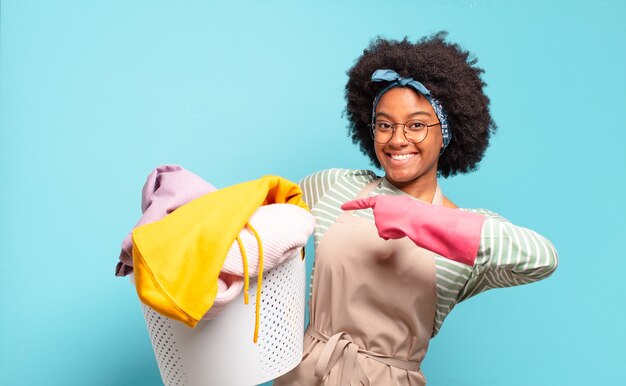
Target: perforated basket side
282, 318
165, 347
216, 351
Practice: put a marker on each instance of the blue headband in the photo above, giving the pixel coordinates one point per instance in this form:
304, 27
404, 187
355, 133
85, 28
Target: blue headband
398, 81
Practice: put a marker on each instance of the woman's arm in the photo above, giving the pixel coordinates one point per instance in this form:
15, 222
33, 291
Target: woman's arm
316, 185
508, 255
452, 233
500, 253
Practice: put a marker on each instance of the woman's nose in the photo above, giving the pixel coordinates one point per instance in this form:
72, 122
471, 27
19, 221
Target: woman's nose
398, 137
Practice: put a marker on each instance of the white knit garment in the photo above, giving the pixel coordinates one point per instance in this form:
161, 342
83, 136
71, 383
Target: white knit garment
283, 229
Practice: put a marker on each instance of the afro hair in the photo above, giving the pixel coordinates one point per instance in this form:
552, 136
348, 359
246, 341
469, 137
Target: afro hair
451, 75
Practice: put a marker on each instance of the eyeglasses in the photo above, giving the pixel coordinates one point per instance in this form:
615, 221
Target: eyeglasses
414, 131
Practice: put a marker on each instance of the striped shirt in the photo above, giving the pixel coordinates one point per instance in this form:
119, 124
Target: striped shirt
508, 255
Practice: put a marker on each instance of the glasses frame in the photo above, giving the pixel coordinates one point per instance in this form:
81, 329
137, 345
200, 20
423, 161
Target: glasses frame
372, 127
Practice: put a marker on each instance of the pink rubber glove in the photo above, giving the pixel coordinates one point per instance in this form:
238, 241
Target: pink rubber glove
449, 232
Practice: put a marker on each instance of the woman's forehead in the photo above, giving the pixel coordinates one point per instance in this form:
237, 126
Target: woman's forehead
403, 101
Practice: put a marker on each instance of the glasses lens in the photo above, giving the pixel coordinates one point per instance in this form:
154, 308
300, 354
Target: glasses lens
415, 131
382, 131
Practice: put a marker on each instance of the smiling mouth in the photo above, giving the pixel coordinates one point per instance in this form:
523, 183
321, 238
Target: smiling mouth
401, 157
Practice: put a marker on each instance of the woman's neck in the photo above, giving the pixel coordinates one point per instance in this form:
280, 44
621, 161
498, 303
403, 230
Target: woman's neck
423, 188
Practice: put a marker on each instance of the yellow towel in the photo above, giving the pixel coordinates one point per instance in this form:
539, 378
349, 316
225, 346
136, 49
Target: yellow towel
177, 259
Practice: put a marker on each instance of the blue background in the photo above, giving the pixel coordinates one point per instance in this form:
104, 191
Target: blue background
95, 94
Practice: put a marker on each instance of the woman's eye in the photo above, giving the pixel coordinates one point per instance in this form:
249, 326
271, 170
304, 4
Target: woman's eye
415, 125
383, 126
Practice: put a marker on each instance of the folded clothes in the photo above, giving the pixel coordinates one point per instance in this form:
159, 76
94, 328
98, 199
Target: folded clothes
189, 249
283, 228
229, 286
167, 187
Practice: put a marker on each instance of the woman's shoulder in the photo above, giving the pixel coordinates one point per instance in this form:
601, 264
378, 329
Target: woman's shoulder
332, 175
485, 212
315, 185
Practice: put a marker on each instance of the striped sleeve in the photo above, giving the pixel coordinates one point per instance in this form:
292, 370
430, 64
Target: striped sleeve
508, 256
315, 185
451, 276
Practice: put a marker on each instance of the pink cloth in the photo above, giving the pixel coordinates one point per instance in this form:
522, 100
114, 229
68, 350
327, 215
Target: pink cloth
167, 187
283, 229
228, 288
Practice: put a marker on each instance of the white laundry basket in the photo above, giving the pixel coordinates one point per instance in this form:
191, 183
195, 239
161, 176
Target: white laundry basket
220, 352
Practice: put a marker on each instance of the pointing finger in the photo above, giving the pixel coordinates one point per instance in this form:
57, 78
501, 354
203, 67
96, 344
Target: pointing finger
359, 203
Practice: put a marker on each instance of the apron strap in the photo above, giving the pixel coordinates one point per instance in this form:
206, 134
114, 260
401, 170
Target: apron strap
368, 188
438, 197
364, 192
339, 359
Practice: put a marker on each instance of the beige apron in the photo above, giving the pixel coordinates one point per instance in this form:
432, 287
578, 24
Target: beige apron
372, 308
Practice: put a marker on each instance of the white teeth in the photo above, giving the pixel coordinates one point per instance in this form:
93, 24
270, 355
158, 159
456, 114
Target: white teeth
402, 156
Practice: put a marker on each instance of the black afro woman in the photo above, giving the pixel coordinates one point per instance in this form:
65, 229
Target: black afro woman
393, 255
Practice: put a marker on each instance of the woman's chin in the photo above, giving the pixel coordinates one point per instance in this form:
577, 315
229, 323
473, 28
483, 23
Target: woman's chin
401, 177
406, 176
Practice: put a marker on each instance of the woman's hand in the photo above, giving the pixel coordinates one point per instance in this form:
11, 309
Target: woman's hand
451, 233
388, 211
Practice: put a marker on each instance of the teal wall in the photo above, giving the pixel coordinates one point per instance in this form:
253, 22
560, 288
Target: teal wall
95, 94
